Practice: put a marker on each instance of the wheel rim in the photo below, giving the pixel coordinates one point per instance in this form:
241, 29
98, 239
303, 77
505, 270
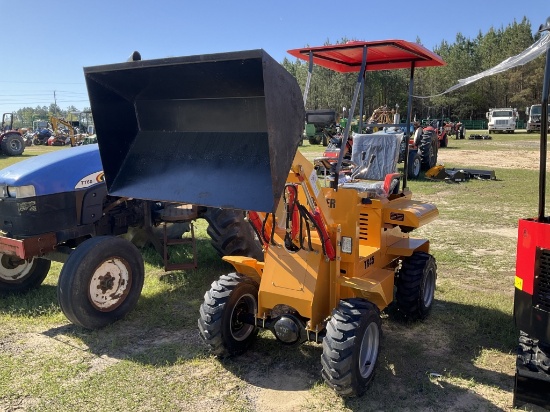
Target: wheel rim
429, 288
15, 144
239, 330
369, 350
110, 284
416, 166
13, 270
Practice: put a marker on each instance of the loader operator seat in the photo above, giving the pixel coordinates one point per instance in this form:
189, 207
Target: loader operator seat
381, 178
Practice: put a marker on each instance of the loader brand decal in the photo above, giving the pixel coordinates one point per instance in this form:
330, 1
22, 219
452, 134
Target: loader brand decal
518, 283
369, 262
331, 203
90, 180
315, 184
400, 217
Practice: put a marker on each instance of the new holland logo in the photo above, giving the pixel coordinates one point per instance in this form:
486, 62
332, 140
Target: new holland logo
90, 180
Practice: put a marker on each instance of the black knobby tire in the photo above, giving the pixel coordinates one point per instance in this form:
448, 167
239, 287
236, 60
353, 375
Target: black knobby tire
445, 141
101, 281
231, 234
18, 275
219, 324
414, 165
12, 144
428, 150
351, 347
415, 285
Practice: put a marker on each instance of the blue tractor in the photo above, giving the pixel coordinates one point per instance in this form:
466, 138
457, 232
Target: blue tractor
55, 207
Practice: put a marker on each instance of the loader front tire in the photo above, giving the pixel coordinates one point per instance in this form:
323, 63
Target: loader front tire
220, 325
19, 275
100, 282
351, 347
415, 285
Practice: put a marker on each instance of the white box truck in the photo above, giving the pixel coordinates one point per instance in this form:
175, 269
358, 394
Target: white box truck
502, 120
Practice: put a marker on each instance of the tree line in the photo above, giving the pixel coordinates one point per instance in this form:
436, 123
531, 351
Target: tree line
518, 87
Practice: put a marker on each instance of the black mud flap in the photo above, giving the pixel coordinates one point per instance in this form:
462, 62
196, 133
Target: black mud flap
531, 388
217, 130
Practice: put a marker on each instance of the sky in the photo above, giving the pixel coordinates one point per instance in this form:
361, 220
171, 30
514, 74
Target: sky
46, 44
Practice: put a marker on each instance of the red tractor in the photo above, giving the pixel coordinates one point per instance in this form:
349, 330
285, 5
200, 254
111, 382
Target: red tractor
532, 283
11, 141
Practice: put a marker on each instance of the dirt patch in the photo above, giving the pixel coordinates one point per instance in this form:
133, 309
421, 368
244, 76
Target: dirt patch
524, 159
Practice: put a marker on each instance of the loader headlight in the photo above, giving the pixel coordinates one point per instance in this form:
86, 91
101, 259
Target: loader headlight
346, 244
20, 191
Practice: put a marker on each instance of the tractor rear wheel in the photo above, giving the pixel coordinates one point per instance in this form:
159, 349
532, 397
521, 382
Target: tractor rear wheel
351, 347
100, 282
231, 234
12, 144
415, 285
220, 323
19, 275
428, 150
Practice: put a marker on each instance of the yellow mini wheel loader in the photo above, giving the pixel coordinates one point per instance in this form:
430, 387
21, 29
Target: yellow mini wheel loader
223, 130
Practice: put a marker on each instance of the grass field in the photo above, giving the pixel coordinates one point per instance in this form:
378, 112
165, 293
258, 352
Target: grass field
459, 359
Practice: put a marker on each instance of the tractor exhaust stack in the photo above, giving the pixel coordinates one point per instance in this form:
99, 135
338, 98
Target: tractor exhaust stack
217, 130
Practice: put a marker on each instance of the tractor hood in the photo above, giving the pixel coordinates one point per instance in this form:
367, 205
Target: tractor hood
217, 130
61, 171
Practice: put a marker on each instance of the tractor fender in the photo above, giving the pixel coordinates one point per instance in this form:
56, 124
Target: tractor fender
246, 266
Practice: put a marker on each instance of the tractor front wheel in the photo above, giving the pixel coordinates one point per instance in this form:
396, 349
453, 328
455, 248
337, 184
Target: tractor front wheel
351, 347
221, 326
414, 165
101, 281
20, 275
416, 285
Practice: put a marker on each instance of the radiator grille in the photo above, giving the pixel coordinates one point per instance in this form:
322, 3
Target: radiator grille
542, 279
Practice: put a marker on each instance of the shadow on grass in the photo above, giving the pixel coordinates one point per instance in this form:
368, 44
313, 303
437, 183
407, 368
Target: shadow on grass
450, 345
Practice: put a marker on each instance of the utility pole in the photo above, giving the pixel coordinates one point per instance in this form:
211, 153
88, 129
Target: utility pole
55, 103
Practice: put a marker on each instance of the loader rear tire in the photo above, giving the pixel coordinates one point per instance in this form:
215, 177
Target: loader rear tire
415, 285
219, 324
351, 347
100, 282
231, 234
18, 275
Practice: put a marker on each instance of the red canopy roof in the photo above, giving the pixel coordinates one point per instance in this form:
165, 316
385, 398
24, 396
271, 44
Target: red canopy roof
381, 55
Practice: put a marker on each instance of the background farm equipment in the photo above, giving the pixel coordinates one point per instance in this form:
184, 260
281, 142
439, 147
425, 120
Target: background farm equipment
532, 280
320, 126
332, 255
11, 141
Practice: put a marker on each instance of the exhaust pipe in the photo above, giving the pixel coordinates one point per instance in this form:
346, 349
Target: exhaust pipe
134, 57
217, 130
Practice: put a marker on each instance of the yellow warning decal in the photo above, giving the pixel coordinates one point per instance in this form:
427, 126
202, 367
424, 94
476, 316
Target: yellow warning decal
518, 283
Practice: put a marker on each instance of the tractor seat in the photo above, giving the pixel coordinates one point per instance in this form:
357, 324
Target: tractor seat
381, 178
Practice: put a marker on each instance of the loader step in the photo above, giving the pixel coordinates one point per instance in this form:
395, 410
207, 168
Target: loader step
169, 243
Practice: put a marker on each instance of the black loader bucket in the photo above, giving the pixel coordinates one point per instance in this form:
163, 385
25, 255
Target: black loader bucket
216, 130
